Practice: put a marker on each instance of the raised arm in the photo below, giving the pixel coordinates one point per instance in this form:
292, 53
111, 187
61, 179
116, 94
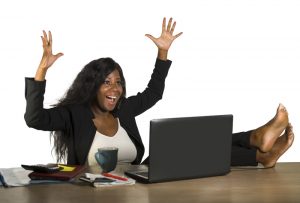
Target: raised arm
48, 58
166, 38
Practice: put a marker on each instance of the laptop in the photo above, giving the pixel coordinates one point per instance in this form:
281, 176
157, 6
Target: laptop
186, 148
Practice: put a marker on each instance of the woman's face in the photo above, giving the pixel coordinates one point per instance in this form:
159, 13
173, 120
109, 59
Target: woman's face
110, 91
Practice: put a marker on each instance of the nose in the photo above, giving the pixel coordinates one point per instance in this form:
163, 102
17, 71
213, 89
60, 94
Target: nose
114, 86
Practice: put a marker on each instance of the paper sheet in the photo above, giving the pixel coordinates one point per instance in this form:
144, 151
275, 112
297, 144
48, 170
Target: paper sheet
15, 176
91, 176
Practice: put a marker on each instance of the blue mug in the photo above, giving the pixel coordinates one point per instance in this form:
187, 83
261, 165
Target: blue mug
107, 158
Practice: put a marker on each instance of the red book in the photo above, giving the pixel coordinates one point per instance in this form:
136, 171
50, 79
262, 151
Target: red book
61, 175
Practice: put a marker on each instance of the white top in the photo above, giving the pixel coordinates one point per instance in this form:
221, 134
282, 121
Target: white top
126, 153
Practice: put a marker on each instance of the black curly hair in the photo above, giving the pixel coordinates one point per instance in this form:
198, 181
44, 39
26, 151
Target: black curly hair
84, 91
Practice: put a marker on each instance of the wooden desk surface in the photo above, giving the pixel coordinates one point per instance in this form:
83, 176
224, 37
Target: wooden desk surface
279, 184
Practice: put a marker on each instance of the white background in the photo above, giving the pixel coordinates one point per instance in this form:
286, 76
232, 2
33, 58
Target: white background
239, 57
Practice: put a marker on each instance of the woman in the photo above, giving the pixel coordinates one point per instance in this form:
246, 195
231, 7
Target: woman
95, 111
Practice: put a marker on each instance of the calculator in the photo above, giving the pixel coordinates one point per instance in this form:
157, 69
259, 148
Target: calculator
43, 168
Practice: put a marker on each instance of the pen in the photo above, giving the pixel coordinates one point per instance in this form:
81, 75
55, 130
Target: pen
109, 175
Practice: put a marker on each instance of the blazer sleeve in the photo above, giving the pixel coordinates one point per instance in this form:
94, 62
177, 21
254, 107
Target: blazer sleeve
36, 116
154, 90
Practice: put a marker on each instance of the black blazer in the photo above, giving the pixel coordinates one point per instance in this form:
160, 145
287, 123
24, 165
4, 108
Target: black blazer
75, 121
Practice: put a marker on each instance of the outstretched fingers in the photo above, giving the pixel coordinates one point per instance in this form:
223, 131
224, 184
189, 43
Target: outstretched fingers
150, 37
50, 38
47, 40
44, 38
48, 57
164, 41
169, 24
173, 27
177, 35
163, 25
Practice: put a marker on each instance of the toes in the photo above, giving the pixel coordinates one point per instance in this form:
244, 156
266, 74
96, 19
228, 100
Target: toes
290, 133
289, 130
281, 108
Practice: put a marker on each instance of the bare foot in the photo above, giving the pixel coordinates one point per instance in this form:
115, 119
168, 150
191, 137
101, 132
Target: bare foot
282, 144
265, 136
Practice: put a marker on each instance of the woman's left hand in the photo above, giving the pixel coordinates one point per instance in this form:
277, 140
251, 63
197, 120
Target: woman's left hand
166, 38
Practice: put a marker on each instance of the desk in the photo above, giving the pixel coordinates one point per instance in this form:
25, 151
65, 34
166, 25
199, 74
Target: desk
279, 184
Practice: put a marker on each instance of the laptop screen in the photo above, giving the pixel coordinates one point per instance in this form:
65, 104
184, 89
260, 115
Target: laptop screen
189, 147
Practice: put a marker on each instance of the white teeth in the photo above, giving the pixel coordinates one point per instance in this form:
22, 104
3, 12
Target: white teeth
113, 98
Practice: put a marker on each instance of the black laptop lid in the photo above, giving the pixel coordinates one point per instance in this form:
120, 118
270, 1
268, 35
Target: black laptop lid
189, 147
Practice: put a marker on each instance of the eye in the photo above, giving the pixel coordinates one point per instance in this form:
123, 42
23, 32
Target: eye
106, 82
119, 83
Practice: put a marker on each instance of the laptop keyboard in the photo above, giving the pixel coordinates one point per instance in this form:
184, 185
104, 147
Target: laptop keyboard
142, 173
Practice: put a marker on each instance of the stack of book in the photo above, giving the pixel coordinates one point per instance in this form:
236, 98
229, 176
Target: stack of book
68, 172
19, 176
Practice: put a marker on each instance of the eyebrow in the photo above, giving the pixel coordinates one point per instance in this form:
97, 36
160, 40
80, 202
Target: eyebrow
111, 78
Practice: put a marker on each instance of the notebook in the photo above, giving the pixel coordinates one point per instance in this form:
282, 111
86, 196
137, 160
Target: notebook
186, 148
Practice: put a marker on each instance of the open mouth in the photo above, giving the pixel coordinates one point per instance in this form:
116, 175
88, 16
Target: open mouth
111, 98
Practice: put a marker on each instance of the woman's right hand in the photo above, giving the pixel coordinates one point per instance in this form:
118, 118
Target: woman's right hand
48, 58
